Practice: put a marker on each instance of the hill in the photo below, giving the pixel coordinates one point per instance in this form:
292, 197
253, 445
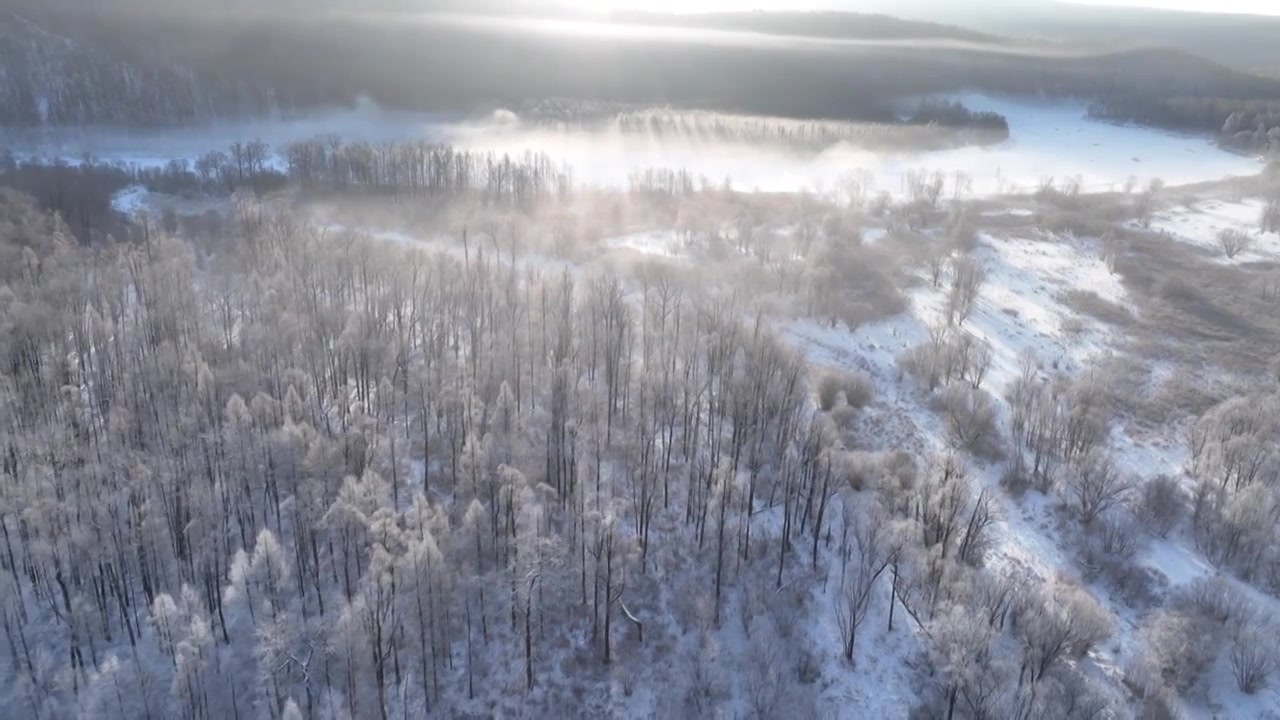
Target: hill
134, 64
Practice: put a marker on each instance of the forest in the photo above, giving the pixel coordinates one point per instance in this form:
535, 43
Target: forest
131, 63
951, 425
266, 466
292, 472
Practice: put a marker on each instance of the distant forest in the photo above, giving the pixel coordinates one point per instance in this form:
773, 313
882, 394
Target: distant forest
121, 65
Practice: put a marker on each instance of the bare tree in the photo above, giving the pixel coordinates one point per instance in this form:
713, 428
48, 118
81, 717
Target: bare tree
1145, 204
1162, 504
1182, 646
866, 551
767, 675
1252, 652
974, 675
967, 280
1096, 485
971, 417
1233, 242
1269, 221
1058, 621
1234, 444
1113, 247
936, 262
854, 387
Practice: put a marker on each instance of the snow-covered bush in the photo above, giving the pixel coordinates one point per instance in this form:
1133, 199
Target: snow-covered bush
971, 418
1161, 504
854, 387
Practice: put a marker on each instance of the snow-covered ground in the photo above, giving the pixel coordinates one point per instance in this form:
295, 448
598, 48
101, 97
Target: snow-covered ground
1200, 224
130, 200
1020, 311
1048, 140
654, 242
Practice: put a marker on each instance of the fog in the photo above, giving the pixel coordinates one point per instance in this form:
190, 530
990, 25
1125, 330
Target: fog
1047, 140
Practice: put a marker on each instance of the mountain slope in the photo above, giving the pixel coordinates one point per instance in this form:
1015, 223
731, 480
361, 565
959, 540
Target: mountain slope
117, 64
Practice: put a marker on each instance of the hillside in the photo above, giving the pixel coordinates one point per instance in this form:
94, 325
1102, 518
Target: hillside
1243, 42
846, 25
123, 65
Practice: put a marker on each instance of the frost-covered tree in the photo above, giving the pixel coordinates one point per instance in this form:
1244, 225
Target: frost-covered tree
1056, 622
967, 278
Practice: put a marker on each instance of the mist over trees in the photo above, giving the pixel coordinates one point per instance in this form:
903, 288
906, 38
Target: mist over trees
342, 429
74, 64
370, 474
289, 470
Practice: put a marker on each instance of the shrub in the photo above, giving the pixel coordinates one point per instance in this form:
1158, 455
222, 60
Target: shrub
1215, 599
970, 416
1233, 242
1270, 220
1161, 505
1183, 647
1015, 479
1253, 656
1160, 704
853, 386
948, 355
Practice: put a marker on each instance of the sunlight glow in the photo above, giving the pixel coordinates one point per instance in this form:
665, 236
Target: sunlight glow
1250, 7
1256, 7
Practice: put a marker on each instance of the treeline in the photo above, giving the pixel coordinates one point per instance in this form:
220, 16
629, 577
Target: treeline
953, 114
934, 125
328, 164
84, 66
1252, 125
94, 77
421, 169
83, 193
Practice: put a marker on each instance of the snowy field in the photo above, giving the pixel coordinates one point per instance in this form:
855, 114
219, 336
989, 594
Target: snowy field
1201, 223
1020, 313
1047, 141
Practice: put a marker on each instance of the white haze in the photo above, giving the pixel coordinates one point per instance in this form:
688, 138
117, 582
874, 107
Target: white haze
1047, 141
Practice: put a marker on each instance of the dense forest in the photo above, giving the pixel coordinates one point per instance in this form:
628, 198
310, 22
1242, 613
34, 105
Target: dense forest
1247, 125
258, 466
290, 471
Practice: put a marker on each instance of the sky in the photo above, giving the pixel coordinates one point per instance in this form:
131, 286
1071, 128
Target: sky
1256, 7
1259, 7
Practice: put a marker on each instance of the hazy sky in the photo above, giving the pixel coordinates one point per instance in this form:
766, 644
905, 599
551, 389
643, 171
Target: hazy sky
1261, 7
1257, 7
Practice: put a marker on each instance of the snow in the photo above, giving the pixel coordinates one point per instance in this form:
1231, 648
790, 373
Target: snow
1026, 276
1047, 140
871, 236
1021, 310
131, 200
1200, 224
1057, 140
658, 243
